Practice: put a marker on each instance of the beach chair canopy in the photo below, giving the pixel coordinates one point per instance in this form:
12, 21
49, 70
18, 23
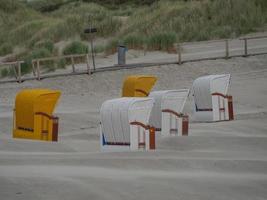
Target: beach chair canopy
204, 86
167, 99
117, 114
31, 101
138, 86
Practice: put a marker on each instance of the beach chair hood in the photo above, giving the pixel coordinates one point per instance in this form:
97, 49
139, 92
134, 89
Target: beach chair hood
117, 114
138, 86
167, 99
31, 101
204, 87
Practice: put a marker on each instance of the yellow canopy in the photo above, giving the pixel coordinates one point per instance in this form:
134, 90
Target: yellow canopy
30, 101
138, 85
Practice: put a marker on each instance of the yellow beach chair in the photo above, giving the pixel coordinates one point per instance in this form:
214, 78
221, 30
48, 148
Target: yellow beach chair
33, 115
138, 85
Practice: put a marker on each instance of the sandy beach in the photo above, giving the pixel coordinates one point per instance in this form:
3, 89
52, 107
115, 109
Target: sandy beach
217, 161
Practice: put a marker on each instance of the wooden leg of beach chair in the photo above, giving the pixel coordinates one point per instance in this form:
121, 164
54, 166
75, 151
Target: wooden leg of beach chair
152, 138
185, 125
55, 129
230, 108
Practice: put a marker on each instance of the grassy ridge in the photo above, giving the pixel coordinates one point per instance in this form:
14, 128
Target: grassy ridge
26, 26
166, 22
197, 20
152, 26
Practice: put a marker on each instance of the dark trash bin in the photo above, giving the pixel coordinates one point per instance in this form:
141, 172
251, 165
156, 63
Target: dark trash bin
122, 55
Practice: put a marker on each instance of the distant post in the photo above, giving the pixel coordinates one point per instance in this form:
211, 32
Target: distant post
226, 49
178, 47
19, 71
246, 46
90, 31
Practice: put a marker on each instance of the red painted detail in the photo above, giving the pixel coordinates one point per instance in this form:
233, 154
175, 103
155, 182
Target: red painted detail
146, 127
219, 94
45, 115
142, 91
173, 112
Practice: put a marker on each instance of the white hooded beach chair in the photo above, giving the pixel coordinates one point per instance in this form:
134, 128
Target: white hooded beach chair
212, 102
124, 124
167, 113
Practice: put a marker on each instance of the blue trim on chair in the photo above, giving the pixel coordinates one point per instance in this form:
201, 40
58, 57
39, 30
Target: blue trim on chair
103, 140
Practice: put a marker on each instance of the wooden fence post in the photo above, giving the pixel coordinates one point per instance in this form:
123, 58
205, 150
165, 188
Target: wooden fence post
19, 71
246, 47
145, 49
226, 49
179, 54
14, 67
33, 67
87, 64
72, 64
38, 70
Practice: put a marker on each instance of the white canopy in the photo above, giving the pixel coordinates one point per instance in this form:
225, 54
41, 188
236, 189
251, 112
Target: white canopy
204, 86
117, 114
167, 99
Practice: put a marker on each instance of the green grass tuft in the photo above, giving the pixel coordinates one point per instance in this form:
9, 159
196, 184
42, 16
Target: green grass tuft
46, 44
5, 48
134, 41
161, 41
34, 54
75, 47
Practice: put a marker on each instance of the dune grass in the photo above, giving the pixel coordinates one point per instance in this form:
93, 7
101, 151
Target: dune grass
76, 47
193, 21
25, 26
188, 18
156, 25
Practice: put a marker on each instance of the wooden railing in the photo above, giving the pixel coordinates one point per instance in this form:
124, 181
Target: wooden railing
179, 48
245, 39
36, 63
16, 66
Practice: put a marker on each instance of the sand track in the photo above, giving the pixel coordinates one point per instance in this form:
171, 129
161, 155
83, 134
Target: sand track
226, 160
